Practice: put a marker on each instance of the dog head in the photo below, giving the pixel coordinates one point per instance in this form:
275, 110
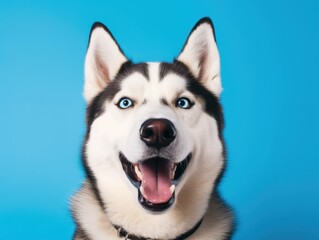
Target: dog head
154, 129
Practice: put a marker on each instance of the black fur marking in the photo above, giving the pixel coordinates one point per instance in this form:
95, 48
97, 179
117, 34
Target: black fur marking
164, 69
211, 102
200, 22
128, 68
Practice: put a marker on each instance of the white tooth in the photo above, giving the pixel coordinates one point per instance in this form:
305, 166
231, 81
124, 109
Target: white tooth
172, 188
142, 190
138, 173
174, 170
175, 166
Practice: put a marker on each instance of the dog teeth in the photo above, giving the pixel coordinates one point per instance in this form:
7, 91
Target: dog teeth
138, 173
172, 188
174, 170
142, 190
175, 166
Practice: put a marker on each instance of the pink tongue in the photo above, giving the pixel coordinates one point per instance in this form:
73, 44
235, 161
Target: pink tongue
156, 180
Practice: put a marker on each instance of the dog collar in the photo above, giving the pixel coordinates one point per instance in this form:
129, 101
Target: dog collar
121, 232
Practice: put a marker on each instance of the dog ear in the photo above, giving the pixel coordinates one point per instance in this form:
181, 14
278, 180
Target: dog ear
200, 55
103, 60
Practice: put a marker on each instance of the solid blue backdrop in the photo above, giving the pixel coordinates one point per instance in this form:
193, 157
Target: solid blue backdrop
269, 57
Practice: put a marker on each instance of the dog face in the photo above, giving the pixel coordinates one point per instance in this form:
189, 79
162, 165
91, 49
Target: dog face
154, 129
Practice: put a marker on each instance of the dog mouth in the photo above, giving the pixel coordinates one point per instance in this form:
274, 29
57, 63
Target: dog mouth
156, 179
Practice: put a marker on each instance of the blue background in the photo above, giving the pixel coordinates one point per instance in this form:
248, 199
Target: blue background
270, 60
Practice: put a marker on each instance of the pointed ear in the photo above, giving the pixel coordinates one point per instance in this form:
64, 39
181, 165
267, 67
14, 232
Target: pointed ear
103, 60
200, 55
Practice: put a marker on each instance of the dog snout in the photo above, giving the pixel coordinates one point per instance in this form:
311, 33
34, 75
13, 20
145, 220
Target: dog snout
157, 132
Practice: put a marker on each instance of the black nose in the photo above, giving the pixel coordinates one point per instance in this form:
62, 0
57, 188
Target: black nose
157, 132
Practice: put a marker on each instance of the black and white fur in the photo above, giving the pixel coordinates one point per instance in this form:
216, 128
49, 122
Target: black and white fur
107, 197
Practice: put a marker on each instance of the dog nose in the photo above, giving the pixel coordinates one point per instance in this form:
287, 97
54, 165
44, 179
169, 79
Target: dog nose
157, 132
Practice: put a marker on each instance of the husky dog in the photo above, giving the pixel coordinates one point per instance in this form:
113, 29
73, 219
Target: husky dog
154, 151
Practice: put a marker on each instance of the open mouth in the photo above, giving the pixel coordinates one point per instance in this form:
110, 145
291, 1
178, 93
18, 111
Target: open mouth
156, 179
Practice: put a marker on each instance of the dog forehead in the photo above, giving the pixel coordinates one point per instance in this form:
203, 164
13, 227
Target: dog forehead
135, 82
154, 84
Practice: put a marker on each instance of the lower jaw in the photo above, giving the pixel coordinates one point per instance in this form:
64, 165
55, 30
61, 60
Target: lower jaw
155, 207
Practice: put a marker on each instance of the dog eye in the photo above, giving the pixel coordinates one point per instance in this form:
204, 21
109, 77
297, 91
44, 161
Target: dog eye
125, 103
184, 103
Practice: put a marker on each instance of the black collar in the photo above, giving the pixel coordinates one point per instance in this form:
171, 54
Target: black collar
123, 233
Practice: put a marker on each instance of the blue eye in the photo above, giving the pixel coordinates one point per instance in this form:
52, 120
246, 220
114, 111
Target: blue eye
184, 103
125, 103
